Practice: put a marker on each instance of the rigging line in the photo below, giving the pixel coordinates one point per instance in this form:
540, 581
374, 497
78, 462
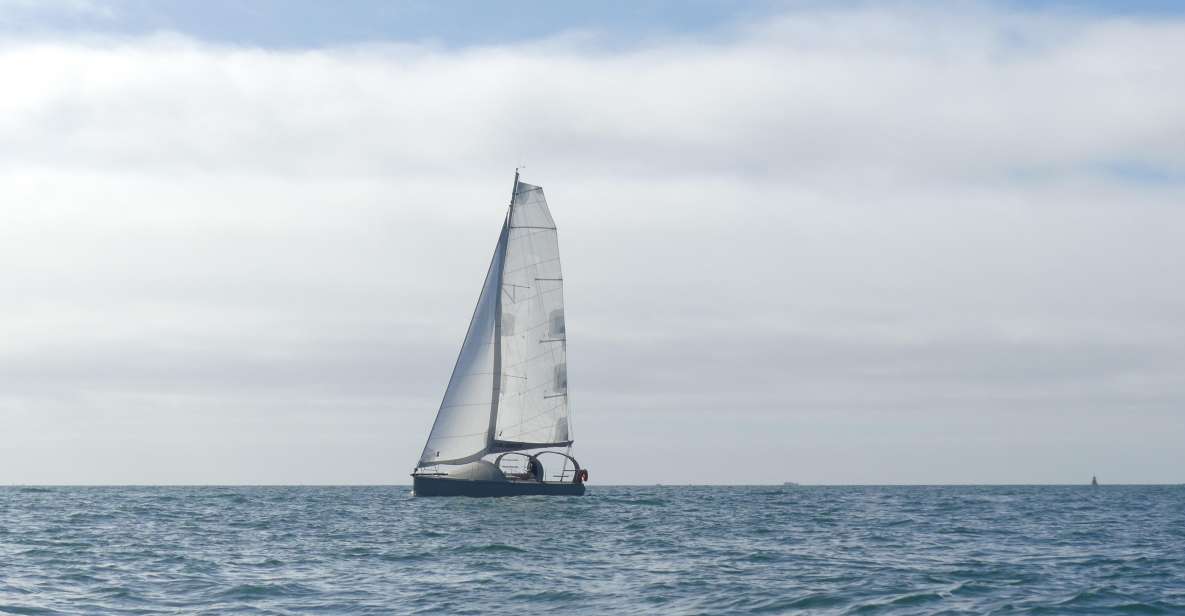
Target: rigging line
537, 325
531, 233
516, 302
536, 238
536, 234
529, 265
523, 420
549, 352
538, 412
524, 330
528, 298
522, 401
545, 353
533, 442
442, 437
543, 429
522, 392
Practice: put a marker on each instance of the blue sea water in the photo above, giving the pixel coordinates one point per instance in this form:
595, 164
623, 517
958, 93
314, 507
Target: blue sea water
624, 550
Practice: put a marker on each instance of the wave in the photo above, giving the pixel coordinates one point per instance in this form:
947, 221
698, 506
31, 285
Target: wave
264, 591
491, 548
25, 609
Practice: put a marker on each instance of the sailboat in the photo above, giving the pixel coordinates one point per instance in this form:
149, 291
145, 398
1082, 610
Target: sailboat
504, 425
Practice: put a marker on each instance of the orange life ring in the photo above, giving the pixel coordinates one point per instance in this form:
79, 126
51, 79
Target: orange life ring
582, 476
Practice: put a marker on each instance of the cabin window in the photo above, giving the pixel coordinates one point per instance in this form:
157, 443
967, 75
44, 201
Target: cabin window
557, 323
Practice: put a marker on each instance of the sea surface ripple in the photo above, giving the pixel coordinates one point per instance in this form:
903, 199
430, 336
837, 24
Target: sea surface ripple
623, 550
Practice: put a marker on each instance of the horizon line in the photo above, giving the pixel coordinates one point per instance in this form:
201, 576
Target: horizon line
608, 485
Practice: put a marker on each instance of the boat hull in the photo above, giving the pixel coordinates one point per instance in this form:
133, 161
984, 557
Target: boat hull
443, 486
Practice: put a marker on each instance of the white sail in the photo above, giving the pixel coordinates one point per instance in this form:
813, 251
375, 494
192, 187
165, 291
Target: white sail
532, 408
509, 388
462, 428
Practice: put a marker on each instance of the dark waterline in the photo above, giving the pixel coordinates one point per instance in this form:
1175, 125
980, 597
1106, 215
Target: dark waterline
622, 549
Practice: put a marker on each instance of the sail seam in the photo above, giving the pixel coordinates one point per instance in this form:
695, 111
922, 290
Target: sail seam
445, 438
535, 326
531, 431
539, 294
533, 417
530, 389
533, 265
545, 353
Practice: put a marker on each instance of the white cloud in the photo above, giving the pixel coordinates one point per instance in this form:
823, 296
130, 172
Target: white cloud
836, 225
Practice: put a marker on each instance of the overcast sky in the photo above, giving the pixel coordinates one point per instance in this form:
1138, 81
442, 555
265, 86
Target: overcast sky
872, 243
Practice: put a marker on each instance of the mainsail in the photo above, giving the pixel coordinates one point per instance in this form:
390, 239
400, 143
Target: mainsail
509, 388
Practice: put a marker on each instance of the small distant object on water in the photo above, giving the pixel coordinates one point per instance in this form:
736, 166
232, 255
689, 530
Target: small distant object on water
1094, 480
790, 484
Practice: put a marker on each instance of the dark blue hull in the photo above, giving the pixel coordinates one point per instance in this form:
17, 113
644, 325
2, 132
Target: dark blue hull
440, 486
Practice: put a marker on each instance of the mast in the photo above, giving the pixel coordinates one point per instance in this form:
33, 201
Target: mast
496, 394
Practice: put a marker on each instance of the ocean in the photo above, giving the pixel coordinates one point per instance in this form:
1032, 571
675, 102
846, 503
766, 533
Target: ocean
618, 550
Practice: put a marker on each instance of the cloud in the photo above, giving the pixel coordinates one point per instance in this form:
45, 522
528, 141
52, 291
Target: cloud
833, 222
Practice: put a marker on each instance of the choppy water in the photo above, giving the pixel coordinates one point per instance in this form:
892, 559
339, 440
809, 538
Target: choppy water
668, 550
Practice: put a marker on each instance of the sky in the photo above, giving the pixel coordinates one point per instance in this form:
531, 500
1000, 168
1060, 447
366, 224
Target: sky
872, 243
